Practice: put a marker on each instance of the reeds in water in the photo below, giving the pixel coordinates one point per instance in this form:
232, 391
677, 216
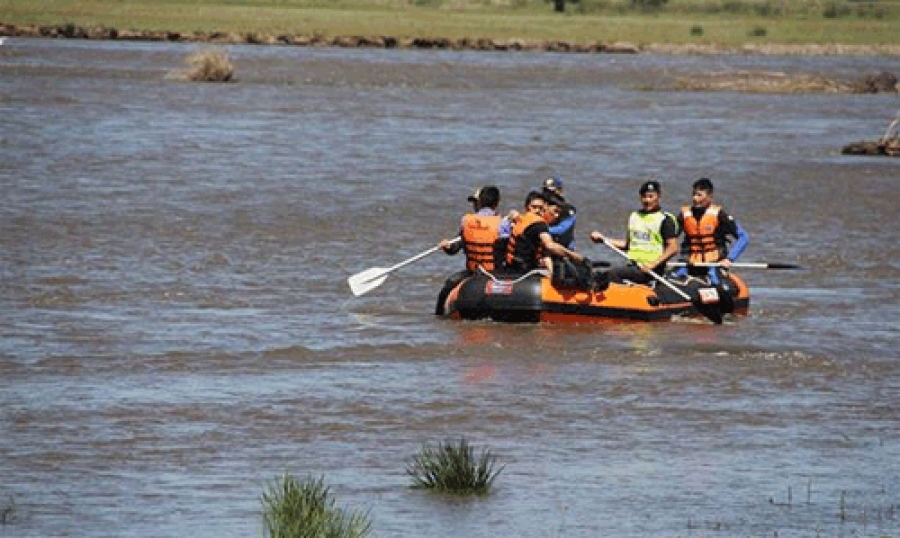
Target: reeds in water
454, 468
8, 512
209, 66
306, 509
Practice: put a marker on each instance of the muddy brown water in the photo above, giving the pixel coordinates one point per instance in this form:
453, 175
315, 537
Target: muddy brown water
176, 328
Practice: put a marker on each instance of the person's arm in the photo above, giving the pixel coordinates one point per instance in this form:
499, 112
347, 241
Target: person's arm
738, 247
679, 222
563, 231
671, 249
730, 227
554, 248
505, 228
597, 237
452, 246
563, 226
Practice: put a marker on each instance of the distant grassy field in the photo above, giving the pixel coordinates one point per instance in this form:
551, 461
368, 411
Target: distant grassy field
716, 22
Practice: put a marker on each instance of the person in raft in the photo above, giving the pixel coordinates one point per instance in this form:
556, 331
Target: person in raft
652, 239
707, 231
480, 237
563, 229
530, 243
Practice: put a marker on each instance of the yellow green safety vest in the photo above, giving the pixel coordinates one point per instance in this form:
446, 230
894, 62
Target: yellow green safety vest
645, 242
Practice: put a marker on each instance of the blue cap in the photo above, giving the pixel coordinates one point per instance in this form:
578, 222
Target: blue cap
553, 183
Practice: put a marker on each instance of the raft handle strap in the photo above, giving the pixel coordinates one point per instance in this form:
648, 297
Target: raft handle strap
542, 272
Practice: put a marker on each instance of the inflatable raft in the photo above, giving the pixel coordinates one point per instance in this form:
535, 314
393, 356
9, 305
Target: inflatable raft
533, 297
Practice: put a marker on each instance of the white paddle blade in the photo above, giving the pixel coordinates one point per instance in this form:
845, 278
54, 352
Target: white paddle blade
368, 280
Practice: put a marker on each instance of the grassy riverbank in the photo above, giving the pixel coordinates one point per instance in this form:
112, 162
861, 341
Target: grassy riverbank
681, 22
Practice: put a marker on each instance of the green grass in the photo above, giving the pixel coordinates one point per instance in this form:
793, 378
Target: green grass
454, 468
306, 509
724, 22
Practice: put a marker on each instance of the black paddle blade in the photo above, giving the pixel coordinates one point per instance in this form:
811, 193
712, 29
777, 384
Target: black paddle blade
783, 266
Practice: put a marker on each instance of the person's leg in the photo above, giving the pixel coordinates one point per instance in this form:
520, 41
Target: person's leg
631, 273
725, 287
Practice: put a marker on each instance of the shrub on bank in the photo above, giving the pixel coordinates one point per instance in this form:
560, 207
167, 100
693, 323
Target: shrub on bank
306, 509
454, 468
758, 31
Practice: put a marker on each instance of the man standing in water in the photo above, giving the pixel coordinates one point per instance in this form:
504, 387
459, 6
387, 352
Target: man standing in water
651, 241
707, 229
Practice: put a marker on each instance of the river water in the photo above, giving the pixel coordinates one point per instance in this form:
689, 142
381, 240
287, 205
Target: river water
176, 328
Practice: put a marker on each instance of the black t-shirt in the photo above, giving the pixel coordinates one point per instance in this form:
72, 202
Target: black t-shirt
669, 227
533, 233
526, 244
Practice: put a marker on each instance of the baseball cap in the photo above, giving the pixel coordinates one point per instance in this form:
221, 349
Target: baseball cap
650, 186
553, 183
474, 196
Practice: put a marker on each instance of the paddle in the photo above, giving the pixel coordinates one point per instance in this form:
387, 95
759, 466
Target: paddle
366, 281
712, 312
748, 265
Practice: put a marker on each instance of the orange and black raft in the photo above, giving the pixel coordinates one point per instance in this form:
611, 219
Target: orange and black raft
533, 297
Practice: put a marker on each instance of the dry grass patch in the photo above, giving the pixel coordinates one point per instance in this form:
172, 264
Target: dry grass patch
763, 82
207, 66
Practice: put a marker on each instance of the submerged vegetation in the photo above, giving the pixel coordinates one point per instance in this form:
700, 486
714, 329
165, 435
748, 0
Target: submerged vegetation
8, 512
780, 82
209, 66
306, 509
454, 468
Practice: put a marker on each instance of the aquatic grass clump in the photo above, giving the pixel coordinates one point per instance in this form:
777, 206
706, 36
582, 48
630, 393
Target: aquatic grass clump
454, 468
8, 512
306, 509
209, 66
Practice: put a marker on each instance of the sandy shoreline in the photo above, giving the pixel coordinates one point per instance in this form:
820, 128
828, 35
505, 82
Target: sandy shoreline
466, 43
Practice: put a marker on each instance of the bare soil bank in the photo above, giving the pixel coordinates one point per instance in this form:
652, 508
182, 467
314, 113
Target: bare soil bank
465, 43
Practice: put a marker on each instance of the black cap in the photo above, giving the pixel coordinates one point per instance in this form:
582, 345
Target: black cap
650, 186
474, 196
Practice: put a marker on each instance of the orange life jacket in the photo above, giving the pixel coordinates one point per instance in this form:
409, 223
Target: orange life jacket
699, 236
479, 236
520, 251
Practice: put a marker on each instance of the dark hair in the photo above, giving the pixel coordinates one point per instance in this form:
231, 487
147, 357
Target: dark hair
703, 184
489, 196
534, 195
